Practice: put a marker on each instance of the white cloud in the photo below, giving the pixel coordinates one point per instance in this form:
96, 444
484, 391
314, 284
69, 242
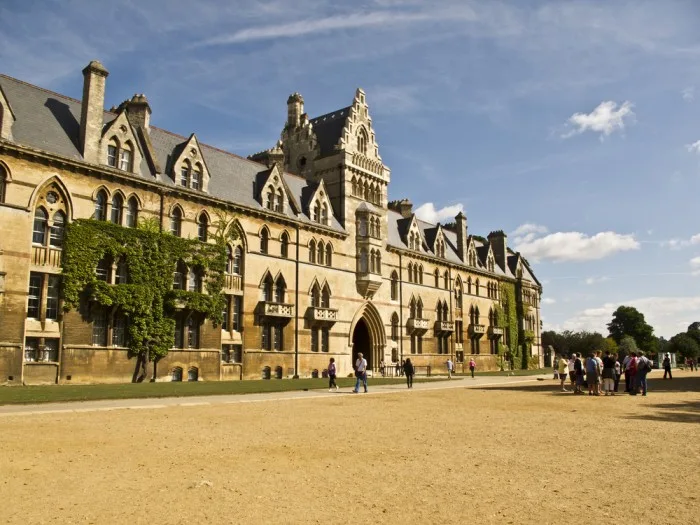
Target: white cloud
605, 119
572, 246
694, 147
688, 94
339, 22
596, 280
677, 244
695, 265
527, 232
428, 213
548, 300
667, 315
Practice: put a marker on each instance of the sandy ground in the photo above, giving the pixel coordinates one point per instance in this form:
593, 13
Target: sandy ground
518, 454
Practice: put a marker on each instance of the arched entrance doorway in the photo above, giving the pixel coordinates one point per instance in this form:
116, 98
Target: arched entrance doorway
361, 342
367, 335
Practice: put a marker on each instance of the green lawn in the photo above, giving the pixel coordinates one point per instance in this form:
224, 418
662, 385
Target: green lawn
546, 371
58, 393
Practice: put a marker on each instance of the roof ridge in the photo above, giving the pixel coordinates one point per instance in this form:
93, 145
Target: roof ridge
41, 88
330, 113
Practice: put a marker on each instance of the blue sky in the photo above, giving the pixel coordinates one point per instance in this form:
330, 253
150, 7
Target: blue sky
573, 126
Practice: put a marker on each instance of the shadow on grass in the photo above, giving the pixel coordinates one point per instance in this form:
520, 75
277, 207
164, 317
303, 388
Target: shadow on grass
688, 412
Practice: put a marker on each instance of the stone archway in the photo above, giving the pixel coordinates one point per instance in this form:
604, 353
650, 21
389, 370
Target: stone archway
367, 335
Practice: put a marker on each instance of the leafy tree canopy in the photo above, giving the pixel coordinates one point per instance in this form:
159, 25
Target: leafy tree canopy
628, 321
684, 345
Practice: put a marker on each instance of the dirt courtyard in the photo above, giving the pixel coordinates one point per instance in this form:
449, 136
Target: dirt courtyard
517, 454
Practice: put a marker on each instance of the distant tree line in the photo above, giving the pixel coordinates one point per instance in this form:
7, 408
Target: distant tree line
627, 332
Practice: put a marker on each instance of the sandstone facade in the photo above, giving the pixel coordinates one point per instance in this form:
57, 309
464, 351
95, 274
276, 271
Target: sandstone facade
325, 266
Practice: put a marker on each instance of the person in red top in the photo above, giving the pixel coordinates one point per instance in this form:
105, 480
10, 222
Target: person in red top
472, 366
631, 372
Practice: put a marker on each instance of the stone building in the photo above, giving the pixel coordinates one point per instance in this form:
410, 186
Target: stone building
324, 265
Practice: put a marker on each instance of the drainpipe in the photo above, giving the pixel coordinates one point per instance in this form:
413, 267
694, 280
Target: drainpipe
296, 307
162, 209
400, 308
452, 318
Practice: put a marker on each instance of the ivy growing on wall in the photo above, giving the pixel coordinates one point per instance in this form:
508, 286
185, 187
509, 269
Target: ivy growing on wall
147, 299
509, 307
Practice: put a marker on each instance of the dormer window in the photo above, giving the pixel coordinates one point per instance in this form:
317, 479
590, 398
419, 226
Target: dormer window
324, 213
112, 155
184, 174
196, 177
279, 201
362, 141
125, 159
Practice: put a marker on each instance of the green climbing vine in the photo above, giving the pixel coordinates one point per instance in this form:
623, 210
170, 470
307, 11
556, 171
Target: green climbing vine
509, 315
147, 298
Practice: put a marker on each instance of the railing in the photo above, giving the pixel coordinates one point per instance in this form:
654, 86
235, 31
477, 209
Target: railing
278, 310
46, 256
319, 314
233, 282
495, 331
477, 329
444, 326
416, 324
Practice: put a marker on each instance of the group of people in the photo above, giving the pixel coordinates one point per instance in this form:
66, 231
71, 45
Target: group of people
604, 373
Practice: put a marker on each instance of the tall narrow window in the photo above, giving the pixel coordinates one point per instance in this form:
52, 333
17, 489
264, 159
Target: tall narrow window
237, 260
364, 261
178, 332
266, 337
52, 297
320, 252
326, 297
225, 313
264, 238
36, 283
3, 179
394, 287
325, 339
277, 337
119, 330
40, 222
394, 327
279, 201
268, 289
122, 275
125, 158
312, 252
329, 255
185, 174
280, 288
194, 280
237, 310
99, 327
179, 276
324, 213
203, 228
446, 279
314, 339
132, 212
112, 155
317, 212
196, 177
176, 222
192, 332
117, 203
57, 229
103, 269
284, 245
270, 200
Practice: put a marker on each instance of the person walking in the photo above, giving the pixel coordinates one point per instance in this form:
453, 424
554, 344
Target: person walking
332, 371
408, 370
643, 368
450, 367
667, 366
562, 370
572, 371
472, 366
360, 373
630, 367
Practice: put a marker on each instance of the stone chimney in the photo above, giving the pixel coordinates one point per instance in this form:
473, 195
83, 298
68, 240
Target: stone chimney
404, 207
138, 111
295, 109
92, 113
497, 240
461, 231
270, 157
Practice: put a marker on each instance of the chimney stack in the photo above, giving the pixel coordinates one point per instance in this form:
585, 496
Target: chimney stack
92, 112
295, 109
404, 207
461, 231
138, 111
497, 240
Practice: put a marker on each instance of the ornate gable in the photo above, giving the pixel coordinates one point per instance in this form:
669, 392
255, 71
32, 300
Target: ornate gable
274, 194
472, 258
490, 260
189, 168
320, 209
439, 242
119, 146
414, 238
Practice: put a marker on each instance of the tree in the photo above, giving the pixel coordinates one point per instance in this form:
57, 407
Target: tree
609, 345
684, 345
626, 347
694, 326
628, 321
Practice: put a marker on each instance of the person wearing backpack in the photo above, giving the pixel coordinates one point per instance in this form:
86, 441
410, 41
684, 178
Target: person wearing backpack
667, 366
643, 368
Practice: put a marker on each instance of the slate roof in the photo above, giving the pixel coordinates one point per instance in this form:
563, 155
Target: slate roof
51, 122
329, 128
